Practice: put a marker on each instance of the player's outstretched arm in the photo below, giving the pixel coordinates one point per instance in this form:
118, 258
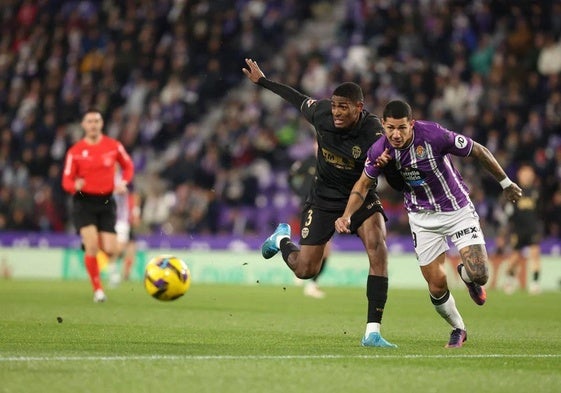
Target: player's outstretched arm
511, 190
356, 198
254, 74
390, 171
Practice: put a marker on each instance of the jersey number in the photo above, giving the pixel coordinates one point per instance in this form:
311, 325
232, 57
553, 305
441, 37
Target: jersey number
308, 218
414, 239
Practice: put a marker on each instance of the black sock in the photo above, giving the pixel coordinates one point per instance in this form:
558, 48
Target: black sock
443, 299
377, 294
286, 246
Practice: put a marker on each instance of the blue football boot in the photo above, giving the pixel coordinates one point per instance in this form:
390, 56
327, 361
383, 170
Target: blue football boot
271, 246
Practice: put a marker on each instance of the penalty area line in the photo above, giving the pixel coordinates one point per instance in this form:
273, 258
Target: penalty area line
265, 357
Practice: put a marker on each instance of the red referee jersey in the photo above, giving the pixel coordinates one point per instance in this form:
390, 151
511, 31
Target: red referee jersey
96, 165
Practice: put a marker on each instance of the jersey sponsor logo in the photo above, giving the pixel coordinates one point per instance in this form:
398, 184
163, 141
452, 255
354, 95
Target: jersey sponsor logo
460, 141
357, 151
473, 231
526, 203
109, 158
420, 152
413, 176
305, 232
310, 102
336, 160
372, 204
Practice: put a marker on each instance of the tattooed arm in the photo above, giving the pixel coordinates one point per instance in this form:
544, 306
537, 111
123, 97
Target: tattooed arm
490, 163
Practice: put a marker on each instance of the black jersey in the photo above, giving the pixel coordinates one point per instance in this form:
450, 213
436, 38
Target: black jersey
525, 218
341, 153
301, 176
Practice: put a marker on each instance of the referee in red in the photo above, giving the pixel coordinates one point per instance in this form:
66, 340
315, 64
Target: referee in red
89, 175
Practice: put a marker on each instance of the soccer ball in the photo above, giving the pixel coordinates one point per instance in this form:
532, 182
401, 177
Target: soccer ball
166, 277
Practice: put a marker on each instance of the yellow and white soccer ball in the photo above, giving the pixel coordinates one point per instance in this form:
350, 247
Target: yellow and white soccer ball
167, 277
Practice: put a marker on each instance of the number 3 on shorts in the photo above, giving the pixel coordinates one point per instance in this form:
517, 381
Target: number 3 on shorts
309, 217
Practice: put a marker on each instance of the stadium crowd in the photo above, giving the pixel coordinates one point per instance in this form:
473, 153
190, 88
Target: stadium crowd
209, 161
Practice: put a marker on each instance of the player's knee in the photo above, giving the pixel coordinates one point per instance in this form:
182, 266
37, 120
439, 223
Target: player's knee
438, 288
111, 252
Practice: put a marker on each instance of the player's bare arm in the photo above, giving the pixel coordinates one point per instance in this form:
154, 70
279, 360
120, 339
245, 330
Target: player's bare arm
356, 198
490, 163
253, 72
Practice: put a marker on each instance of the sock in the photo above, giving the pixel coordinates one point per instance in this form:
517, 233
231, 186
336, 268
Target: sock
287, 247
372, 327
446, 307
377, 294
279, 239
93, 271
464, 275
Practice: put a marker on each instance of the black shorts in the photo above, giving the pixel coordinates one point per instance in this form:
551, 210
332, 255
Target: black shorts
318, 225
98, 210
518, 241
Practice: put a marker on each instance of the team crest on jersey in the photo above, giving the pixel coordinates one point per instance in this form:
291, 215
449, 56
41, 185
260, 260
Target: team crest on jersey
420, 152
305, 232
84, 153
357, 151
460, 141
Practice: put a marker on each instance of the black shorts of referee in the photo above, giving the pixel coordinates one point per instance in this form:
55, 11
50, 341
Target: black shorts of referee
98, 210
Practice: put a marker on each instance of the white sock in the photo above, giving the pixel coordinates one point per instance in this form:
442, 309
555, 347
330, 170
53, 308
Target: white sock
450, 313
279, 238
464, 275
372, 327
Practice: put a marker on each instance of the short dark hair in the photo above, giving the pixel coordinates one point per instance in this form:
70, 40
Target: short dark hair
349, 90
91, 110
397, 109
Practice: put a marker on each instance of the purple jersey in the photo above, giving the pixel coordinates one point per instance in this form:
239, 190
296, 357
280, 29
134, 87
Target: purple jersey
425, 164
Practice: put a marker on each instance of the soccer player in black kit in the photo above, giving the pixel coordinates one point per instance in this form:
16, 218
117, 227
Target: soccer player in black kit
525, 228
344, 132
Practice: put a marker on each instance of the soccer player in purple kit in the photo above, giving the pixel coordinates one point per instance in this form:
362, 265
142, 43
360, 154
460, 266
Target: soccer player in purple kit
437, 201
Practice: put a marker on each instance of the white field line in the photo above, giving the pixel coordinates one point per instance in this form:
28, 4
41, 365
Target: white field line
264, 357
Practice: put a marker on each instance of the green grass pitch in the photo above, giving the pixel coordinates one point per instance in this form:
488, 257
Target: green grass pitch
258, 338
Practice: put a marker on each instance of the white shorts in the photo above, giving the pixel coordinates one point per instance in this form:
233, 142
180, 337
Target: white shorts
123, 230
431, 230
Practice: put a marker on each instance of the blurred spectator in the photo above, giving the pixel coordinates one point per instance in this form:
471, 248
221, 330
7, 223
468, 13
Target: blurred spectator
166, 76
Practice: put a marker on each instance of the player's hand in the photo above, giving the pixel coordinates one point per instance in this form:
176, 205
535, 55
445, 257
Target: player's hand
513, 193
343, 225
121, 188
253, 72
79, 184
383, 159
